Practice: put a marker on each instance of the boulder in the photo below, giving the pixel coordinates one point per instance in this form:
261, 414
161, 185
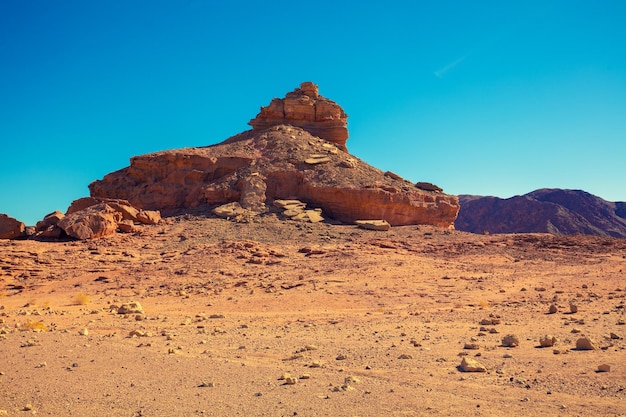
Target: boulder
91, 223
149, 217
510, 340
253, 189
305, 108
11, 228
51, 219
229, 211
472, 365
586, 343
381, 225
547, 341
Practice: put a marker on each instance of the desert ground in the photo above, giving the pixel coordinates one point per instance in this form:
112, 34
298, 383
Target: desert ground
201, 316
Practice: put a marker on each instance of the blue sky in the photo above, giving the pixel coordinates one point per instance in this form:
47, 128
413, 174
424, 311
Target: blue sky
482, 97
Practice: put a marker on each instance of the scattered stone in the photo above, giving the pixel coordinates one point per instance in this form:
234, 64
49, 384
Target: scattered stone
547, 341
84, 332
289, 379
351, 380
471, 346
585, 343
405, 356
510, 340
573, 308
553, 309
472, 365
393, 175
426, 186
341, 357
316, 364
380, 225
604, 368
230, 210
133, 307
614, 336
317, 159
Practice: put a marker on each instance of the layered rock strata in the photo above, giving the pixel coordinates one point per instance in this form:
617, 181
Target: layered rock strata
305, 108
291, 162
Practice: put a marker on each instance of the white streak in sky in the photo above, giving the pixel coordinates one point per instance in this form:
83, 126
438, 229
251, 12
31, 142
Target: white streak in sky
442, 71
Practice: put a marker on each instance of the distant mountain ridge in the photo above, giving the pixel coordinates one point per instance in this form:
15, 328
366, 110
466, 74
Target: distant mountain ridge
547, 210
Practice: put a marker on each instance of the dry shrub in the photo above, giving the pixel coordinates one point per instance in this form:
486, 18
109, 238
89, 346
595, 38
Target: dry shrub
81, 299
36, 326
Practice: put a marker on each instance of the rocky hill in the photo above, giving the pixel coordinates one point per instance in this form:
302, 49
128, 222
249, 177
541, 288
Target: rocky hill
556, 211
295, 150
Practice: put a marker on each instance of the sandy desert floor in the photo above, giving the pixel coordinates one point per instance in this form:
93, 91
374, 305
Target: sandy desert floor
277, 318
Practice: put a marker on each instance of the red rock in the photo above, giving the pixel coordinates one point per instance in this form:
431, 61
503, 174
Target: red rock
51, 219
126, 226
97, 221
181, 179
10, 228
148, 217
305, 108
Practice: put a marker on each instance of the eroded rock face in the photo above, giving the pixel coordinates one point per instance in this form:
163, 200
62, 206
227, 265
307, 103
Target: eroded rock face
10, 228
305, 108
91, 223
344, 187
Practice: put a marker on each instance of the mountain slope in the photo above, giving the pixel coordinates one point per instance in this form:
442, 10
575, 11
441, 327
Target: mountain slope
556, 211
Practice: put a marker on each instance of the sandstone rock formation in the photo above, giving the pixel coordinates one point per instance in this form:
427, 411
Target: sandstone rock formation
345, 188
305, 108
90, 218
91, 223
556, 211
10, 228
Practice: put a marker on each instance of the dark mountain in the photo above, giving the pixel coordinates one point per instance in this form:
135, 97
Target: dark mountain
556, 211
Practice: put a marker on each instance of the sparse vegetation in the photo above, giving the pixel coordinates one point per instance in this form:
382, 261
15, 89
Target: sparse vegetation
82, 299
36, 326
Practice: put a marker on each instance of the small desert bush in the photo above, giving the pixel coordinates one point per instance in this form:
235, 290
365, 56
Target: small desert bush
36, 326
81, 299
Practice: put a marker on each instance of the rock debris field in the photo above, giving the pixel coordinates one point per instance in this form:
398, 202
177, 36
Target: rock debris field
200, 316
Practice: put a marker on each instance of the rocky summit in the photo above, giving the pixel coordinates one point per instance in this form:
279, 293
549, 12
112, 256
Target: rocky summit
296, 150
305, 108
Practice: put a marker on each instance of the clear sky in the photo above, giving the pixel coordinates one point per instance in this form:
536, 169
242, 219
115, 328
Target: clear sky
479, 97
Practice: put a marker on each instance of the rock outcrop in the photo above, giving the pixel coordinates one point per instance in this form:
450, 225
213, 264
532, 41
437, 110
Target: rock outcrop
93, 222
305, 159
91, 218
345, 188
10, 228
556, 211
305, 108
